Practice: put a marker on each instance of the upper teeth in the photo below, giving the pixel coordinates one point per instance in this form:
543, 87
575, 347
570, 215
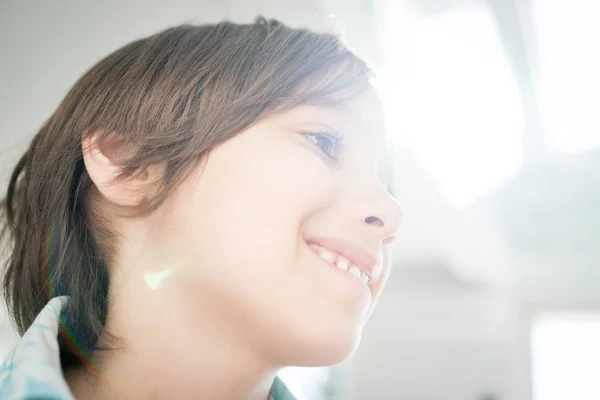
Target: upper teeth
342, 263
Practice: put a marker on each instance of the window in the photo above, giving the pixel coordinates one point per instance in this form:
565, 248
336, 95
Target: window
566, 356
569, 83
454, 101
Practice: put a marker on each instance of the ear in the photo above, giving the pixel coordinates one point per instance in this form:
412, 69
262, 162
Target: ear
101, 160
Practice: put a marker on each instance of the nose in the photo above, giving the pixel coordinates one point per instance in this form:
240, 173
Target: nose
382, 213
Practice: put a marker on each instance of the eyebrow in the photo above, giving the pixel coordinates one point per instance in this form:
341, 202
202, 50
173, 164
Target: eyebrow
334, 105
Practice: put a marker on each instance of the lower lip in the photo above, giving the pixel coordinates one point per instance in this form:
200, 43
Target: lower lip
348, 278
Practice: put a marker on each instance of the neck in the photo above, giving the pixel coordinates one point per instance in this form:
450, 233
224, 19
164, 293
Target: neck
171, 351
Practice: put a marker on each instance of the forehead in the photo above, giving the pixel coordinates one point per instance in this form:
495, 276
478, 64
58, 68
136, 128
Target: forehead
364, 109
360, 116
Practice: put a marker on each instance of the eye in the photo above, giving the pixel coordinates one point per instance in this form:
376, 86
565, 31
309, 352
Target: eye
329, 143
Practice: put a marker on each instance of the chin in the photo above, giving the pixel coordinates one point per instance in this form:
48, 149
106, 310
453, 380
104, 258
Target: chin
334, 354
324, 349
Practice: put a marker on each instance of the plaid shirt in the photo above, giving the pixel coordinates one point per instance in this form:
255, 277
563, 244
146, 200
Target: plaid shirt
32, 370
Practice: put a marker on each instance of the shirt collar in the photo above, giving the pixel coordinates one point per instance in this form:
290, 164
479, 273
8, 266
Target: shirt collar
33, 370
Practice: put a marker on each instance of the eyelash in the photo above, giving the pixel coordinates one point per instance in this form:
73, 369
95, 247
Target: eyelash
335, 138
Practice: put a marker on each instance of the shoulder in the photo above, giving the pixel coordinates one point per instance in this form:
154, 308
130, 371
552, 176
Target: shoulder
32, 370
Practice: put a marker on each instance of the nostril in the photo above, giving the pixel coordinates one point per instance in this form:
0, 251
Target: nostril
374, 221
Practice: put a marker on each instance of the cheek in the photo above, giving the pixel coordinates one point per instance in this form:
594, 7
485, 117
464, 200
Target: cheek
246, 207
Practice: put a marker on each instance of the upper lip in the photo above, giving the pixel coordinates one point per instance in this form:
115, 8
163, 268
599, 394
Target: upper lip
366, 261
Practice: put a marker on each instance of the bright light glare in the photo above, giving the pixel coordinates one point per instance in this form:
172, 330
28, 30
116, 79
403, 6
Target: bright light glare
154, 279
451, 97
306, 383
567, 35
566, 357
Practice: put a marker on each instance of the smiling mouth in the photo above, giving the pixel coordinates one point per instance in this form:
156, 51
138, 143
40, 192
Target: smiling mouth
339, 261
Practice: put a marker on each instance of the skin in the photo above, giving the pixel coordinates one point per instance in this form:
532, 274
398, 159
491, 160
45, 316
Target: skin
218, 289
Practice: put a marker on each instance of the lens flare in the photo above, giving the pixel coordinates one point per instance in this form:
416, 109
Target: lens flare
154, 279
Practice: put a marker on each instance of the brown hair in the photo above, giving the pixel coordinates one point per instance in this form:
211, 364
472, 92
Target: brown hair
172, 96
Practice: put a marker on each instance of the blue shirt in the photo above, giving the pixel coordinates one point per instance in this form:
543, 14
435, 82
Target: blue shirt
32, 370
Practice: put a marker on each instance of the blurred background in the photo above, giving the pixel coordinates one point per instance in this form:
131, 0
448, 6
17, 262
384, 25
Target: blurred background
494, 107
